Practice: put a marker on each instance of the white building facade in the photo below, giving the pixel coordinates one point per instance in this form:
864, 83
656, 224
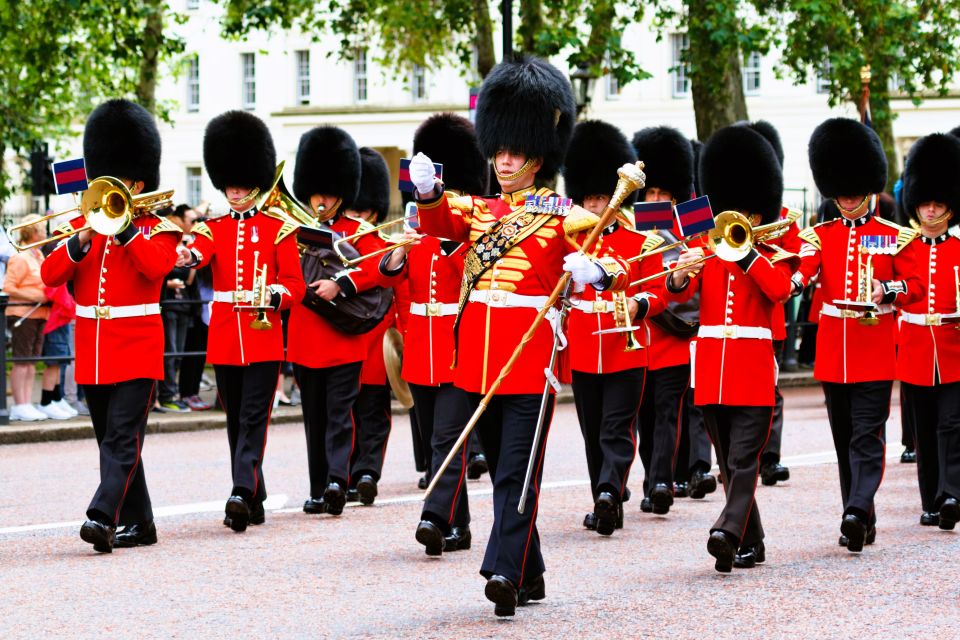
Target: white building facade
295, 84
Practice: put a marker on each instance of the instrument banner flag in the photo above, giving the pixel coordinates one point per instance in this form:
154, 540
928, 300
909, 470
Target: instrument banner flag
70, 176
405, 184
695, 216
650, 216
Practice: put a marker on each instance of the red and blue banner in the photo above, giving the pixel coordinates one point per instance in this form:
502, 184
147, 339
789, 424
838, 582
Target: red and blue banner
695, 216
405, 183
70, 176
650, 216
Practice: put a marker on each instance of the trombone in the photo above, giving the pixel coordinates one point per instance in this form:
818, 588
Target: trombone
379, 252
731, 239
108, 207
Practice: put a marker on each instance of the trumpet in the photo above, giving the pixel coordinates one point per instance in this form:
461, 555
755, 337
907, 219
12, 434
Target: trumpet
261, 297
107, 206
865, 290
379, 252
731, 239
623, 322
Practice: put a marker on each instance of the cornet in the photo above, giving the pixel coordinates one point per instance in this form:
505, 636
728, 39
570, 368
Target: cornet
108, 207
623, 322
261, 297
863, 308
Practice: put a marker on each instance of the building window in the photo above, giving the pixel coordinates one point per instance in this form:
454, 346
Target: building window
611, 83
193, 5
418, 83
303, 76
823, 77
194, 186
193, 84
360, 76
681, 84
249, 82
751, 73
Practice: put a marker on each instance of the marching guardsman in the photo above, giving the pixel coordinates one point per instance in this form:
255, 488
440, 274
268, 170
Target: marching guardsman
669, 167
856, 350
608, 369
254, 263
928, 354
771, 471
734, 369
119, 343
434, 269
327, 180
371, 411
525, 114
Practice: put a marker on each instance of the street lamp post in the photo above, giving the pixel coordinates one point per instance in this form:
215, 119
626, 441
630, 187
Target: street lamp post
506, 11
582, 80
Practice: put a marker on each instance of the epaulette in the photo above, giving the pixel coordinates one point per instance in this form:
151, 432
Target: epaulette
62, 229
579, 219
954, 231
809, 235
163, 225
460, 203
904, 235
201, 229
276, 215
285, 230
779, 253
793, 215
651, 240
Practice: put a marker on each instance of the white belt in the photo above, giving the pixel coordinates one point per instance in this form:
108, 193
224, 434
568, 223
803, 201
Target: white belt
433, 309
594, 306
922, 319
830, 310
734, 331
112, 313
506, 299
233, 297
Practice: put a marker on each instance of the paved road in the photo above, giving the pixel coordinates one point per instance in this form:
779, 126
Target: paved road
363, 575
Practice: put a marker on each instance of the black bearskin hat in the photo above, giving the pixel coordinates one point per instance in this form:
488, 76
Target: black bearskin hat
597, 149
931, 173
769, 132
328, 163
238, 151
121, 140
526, 106
847, 159
374, 191
451, 140
955, 132
667, 158
739, 171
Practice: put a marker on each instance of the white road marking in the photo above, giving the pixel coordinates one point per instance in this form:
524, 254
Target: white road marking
277, 503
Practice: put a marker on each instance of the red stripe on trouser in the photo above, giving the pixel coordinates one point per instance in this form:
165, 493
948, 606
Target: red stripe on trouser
353, 439
754, 501
263, 449
536, 501
126, 486
633, 435
463, 471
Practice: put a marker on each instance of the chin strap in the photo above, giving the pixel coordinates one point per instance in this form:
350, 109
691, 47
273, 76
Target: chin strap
857, 211
518, 174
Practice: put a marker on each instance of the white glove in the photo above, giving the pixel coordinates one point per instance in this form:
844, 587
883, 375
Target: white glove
583, 269
422, 174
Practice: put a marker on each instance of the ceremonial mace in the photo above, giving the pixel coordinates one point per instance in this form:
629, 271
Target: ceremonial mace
631, 179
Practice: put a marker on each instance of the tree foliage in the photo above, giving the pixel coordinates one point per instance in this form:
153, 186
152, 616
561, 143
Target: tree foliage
913, 43
60, 57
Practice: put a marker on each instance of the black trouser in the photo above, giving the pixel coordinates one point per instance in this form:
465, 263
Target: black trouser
607, 408
119, 415
693, 452
175, 326
936, 413
327, 396
448, 409
246, 393
420, 454
660, 416
371, 413
191, 367
424, 408
506, 432
771, 453
908, 427
739, 435
858, 415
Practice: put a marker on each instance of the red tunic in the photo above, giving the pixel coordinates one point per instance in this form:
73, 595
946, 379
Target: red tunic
433, 280
314, 342
489, 333
848, 351
230, 245
924, 352
113, 275
590, 353
738, 371
790, 241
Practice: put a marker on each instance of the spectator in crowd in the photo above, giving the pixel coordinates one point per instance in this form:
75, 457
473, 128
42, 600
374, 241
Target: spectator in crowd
191, 367
57, 343
177, 317
23, 284
6, 250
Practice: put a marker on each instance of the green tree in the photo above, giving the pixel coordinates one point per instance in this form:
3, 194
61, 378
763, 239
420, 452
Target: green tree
60, 57
911, 46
